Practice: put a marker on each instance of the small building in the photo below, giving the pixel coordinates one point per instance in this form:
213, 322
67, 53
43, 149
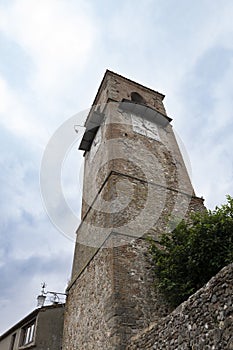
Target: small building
41, 329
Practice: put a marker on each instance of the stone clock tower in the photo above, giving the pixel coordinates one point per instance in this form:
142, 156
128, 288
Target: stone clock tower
135, 185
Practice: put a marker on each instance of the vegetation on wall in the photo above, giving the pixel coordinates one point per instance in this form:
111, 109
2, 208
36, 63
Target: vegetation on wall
185, 259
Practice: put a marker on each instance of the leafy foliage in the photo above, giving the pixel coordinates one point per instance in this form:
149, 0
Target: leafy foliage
185, 259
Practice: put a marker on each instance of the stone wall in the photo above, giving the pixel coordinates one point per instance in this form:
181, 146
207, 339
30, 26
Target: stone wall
115, 87
204, 321
88, 323
111, 299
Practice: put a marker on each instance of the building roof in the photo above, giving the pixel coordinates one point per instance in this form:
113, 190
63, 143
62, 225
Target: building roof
109, 72
28, 318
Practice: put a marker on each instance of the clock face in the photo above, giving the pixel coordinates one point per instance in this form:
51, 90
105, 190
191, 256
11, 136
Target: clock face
145, 127
95, 144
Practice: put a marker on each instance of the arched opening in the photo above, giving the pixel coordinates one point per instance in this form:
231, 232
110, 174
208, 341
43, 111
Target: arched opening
137, 98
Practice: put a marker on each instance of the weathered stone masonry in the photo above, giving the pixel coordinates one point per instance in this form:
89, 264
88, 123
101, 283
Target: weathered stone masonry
203, 322
137, 171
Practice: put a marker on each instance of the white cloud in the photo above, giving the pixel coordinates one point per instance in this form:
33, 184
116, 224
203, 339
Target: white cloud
16, 117
57, 35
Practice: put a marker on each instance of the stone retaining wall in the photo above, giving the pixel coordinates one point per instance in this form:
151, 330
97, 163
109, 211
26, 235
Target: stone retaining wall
204, 321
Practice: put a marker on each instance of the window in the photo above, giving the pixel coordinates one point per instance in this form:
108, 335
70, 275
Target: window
12, 342
28, 334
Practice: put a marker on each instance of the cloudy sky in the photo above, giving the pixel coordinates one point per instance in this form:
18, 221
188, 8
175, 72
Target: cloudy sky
53, 56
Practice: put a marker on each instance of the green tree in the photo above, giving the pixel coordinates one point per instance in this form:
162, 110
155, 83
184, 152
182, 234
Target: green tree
185, 259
